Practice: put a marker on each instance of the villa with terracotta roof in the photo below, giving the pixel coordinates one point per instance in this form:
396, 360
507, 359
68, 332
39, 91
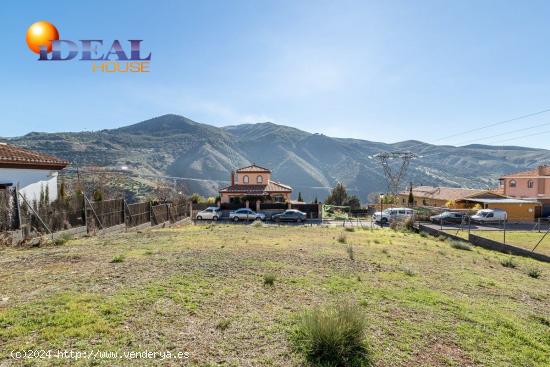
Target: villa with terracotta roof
253, 183
531, 185
30, 172
429, 196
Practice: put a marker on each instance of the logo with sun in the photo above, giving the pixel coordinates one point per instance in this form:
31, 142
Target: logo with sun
120, 57
41, 35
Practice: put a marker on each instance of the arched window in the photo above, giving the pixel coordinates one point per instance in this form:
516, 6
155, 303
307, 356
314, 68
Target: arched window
530, 184
513, 183
245, 179
259, 179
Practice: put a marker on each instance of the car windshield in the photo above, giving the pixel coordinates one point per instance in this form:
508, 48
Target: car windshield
387, 211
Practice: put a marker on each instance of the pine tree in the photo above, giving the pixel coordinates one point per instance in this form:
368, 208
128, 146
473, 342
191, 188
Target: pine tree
300, 197
411, 196
338, 196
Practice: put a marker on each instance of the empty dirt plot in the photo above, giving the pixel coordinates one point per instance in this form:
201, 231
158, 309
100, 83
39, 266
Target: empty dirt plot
230, 296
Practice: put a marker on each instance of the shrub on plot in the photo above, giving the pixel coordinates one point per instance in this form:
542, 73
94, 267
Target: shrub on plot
342, 238
269, 279
534, 273
460, 245
508, 263
223, 324
118, 259
350, 252
333, 336
350, 229
257, 223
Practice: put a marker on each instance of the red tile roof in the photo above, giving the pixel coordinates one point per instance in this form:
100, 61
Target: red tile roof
16, 157
253, 168
535, 172
442, 193
272, 186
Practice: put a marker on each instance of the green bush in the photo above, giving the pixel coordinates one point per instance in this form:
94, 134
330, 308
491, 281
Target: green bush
269, 279
534, 273
508, 263
350, 229
342, 238
333, 337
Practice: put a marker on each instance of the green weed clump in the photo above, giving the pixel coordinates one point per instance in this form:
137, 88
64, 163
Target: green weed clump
508, 263
258, 224
117, 259
269, 279
342, 238
350, 229
63, 239
350, 252
460, 245
534, 273
333, 336
223, 325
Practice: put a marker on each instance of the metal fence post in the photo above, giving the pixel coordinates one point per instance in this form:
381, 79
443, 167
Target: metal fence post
18, 208
504, 225
124, 212
85, 214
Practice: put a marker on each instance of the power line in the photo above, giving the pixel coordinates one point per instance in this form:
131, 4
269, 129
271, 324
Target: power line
505, 133
485, 127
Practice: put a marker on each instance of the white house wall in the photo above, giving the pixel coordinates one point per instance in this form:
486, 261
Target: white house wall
31, 182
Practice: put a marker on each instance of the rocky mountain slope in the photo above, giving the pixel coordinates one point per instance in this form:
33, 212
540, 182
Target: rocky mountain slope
204, 155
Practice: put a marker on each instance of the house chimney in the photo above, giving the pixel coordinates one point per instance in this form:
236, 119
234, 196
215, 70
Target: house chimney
541, 170
232, 178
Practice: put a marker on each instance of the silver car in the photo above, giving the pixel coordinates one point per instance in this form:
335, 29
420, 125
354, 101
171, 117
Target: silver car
245, 214
211, 213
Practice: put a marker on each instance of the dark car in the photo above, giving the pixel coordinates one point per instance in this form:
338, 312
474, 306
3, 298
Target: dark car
448, 217
290, 215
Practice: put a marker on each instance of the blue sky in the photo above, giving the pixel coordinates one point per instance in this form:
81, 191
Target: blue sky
384, 71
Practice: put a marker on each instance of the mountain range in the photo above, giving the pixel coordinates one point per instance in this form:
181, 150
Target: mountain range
204, 155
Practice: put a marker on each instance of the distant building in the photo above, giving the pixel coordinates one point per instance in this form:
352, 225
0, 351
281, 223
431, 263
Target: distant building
530, 185
436, 196
30, 172
253, 183
429, 196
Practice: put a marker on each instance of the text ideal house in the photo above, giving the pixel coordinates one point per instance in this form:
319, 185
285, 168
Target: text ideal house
252, 184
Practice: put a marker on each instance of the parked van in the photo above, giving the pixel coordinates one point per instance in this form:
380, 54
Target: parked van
393, 214
489, 215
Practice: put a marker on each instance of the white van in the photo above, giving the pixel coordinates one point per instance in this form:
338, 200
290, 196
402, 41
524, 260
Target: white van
489, 215
393, 214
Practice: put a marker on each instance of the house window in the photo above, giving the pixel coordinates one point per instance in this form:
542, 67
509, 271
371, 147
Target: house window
278, 198
530, 184
245, 179
513, 183
259, 179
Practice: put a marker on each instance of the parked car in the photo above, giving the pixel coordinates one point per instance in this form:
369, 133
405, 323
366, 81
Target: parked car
448, 217
489, 215
210, 213
290, 215
392, 213
245, 214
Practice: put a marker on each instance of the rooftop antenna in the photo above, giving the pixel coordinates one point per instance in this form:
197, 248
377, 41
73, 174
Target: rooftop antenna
402, 160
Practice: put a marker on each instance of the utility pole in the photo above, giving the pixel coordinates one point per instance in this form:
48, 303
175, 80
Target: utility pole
394, 178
